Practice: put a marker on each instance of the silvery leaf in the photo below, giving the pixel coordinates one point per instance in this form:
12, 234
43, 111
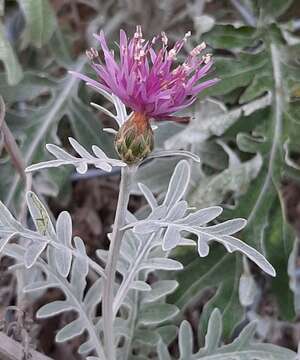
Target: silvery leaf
121, 326
86, 348
40, 216
168, 333
32, 253
174, 153
171, 238
5, 240
48, 164
103, 109
106, 94
244, 347
178, 184
59, 153
170, 218
228, 227
39, 285
99, 159
187, 242
63, 256
110, 131
64, 228
80, 149
146, 337
214, 331
251, 253
156, 313
177, 211
161, 264
79, 271
122, 266
203, 216
163, 352
99, 153
160, 289
121, 110
205, 234
53, 308
82, 260
158, 212
73, 291
73, 329
63, 259
203, 247
7, 220
140, 285
148, 195
185, 340
247, 290
102, 255
93, 297
145, 228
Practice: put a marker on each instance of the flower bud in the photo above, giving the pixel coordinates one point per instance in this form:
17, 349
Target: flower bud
134, 140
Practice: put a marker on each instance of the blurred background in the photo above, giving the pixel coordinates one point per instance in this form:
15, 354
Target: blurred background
246, 130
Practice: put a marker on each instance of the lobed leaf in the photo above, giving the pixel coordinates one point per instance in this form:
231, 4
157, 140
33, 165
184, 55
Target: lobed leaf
242, 348
100, 160
40, 20
156, 313
53, 308
11, 63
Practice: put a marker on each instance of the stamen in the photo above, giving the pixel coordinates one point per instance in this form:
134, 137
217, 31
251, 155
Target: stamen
164, 38
206, 58
138, 33
186, 67
153, 81
176, 70
197, 50
187, 35
138, 37
172, 54
92, 54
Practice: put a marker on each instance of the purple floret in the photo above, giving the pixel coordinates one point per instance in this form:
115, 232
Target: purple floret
145, 79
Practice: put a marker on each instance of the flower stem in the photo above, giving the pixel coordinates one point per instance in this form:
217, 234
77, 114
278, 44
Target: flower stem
113, 254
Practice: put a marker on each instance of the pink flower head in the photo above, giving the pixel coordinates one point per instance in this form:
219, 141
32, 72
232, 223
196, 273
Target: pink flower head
146, 80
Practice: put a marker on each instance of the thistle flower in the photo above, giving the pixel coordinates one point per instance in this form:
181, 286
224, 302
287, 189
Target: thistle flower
147, 81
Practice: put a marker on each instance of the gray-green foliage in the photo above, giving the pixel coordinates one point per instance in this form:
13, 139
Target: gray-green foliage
143, 317
40, 21
256, 112
273, 70
63, 265
12, 66
173, 219
99, 159
37, 101
42, 126
246, 139
244, 347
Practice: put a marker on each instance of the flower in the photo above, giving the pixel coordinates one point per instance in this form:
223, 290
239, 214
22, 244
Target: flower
147, 81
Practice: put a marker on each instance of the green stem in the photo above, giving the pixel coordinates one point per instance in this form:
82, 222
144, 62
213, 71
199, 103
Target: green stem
113, 254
